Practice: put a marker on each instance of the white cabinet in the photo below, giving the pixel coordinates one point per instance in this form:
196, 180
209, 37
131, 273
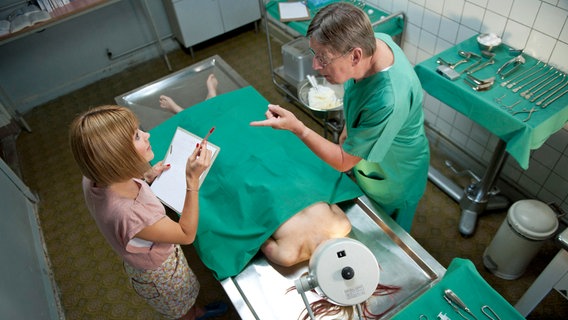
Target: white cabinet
194, 21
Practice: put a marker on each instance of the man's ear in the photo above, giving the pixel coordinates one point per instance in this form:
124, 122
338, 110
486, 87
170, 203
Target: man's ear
356, 56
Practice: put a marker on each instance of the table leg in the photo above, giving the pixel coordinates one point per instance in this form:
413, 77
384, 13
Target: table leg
477, 195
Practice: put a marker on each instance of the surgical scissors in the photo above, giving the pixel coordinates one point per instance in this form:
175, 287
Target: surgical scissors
530, 112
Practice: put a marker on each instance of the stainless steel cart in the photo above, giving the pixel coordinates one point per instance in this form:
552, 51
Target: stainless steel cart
393, 24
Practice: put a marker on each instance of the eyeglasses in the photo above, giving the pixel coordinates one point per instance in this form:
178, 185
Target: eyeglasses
323, 62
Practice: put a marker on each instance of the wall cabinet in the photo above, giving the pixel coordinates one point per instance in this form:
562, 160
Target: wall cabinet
195, 21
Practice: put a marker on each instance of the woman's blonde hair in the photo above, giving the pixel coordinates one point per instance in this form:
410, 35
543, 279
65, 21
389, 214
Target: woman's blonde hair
341, 27
101, 140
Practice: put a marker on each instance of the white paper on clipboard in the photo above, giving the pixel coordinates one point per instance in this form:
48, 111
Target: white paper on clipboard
293, 11
170, 186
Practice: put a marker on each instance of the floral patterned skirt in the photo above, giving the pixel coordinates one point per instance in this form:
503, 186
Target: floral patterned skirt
171, 289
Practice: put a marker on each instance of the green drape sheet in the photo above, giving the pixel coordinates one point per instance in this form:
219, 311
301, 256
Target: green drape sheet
260, 178
392, 27
481, 107
463, 279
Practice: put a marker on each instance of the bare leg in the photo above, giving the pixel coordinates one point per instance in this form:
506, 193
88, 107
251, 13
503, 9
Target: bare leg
169, 104
211, 86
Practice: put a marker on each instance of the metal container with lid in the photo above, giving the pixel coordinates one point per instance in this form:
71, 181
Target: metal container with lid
297, 59
520, 236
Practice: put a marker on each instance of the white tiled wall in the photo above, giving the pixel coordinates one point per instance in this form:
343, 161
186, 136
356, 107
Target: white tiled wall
538, 27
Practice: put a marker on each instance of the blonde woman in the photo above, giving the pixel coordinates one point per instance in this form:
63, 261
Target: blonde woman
113, 155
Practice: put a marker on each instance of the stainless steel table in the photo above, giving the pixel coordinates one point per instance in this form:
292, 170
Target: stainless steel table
260, 290
186, 86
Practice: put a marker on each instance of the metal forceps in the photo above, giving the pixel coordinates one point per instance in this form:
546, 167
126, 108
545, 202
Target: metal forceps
510, 107
500, 99
530, 112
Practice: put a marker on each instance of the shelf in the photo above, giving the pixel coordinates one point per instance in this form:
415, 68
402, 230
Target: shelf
61, 14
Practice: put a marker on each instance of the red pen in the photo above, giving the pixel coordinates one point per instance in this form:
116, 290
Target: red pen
208, 134
205, 139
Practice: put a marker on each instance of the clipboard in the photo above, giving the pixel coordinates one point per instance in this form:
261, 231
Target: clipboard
293, 11
170, 186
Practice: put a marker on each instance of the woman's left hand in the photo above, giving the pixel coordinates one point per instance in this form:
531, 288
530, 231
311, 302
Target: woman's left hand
155, 171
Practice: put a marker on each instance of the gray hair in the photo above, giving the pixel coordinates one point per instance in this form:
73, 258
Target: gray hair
342, 26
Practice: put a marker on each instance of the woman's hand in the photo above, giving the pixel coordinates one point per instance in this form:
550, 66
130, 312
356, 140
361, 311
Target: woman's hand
280, 118
196, 164
155, 171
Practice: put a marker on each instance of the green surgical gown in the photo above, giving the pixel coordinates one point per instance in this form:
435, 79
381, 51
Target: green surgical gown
385, 127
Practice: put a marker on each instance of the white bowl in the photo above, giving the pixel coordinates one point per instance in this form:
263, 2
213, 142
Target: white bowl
488, 41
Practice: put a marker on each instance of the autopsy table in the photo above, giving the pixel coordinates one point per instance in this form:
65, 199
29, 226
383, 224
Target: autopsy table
259, 178
494, 110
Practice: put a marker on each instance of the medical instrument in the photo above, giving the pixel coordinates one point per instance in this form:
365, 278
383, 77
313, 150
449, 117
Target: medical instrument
443, 316
512, 106
481, 81
510, 85
530, 112
456, 309
466, 56
422, 316
448, 72
516, 62
473, 65
342, 270
543, 83
448, 293
532, 80
553, 99
479, 84
486, 307
485, 64
447, 69
550, 95
500, 99
504, 83
549, 89
479, 87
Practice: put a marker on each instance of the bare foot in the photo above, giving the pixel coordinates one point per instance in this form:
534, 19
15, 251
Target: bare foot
169, 104
211, 86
